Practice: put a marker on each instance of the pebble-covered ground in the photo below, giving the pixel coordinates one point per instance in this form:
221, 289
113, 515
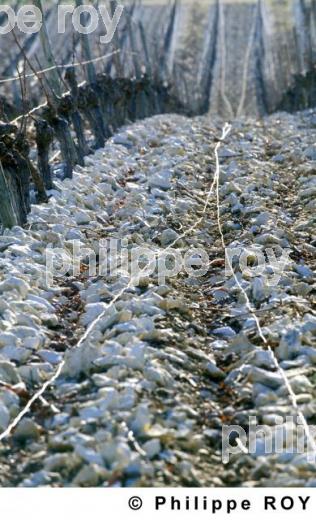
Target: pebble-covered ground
142, 400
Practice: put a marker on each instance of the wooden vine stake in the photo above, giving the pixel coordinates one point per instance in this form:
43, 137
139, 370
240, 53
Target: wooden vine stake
55, 120
14, 178
90, 101
9, 212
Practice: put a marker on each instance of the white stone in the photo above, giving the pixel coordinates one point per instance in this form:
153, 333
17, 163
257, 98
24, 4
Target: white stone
168, 236
152, 448
51, 357
82, 218
92, 311
160, 180
4, 417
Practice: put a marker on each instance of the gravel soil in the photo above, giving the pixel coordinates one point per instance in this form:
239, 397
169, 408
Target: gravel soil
143, 398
